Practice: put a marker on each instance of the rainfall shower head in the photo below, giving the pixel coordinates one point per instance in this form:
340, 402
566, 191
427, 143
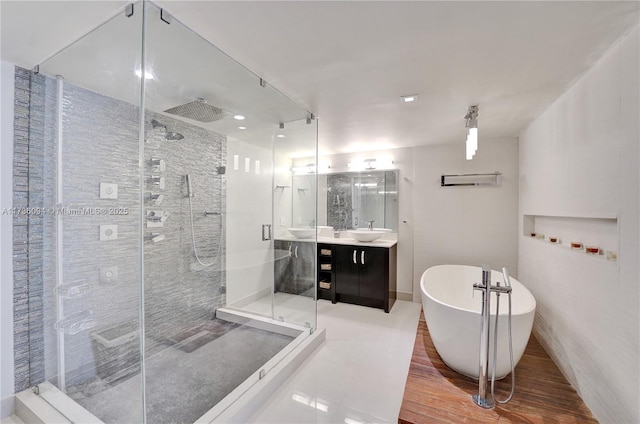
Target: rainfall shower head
199, 110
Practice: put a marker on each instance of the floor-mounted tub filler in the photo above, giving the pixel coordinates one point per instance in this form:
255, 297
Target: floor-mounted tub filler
453, 308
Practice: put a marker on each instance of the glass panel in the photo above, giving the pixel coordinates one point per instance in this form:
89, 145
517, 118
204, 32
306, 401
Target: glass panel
296, 207
210, 130
93, 277
353, 199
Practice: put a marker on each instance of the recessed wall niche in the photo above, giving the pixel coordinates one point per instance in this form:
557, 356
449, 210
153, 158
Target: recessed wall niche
586, 231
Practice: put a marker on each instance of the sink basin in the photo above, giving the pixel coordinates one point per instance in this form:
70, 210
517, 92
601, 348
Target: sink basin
366, 235
303, 233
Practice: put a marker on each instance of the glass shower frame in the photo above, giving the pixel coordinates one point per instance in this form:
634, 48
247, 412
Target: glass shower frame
76, 305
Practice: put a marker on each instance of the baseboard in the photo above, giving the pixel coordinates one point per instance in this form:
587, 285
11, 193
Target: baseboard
7, 406
404, 296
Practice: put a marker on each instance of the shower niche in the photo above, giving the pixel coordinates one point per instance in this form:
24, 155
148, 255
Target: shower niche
164, 294
595, 235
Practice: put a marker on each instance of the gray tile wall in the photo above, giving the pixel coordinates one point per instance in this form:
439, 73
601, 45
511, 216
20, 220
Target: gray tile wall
339, 212
32, 160
101, 145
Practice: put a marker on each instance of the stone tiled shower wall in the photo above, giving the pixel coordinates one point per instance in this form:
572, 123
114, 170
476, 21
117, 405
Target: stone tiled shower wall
339, 204
32, 158
100, 144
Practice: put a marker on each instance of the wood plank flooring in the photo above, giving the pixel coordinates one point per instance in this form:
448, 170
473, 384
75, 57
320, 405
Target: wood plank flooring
434, 393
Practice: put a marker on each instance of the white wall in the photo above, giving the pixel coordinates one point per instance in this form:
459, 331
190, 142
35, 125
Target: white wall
465, 225
580, 158
282, 197
249, 259
403, 161
6, 237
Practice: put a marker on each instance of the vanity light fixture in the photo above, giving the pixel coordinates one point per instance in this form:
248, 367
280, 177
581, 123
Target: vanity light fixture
370, 164
242, 128
471, 123
309, 168
410, 98
238, 117
280, 135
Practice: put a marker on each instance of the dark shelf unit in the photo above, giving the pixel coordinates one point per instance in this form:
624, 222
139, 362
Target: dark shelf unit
326, 272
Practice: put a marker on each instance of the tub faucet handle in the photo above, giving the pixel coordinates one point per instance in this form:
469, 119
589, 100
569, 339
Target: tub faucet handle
505, 276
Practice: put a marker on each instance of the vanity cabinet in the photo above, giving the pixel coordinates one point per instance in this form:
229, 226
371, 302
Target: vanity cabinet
365, 275
295, 272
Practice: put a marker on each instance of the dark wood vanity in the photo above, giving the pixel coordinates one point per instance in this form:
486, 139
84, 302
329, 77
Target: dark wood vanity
359, 274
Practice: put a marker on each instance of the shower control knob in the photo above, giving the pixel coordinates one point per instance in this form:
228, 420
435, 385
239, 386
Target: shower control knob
160, 163
158, 216
159, 181
156, 198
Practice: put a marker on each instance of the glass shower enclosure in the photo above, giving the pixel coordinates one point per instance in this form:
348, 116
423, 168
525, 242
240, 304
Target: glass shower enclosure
158, 163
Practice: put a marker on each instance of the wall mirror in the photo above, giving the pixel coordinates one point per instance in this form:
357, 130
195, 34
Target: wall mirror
348, 200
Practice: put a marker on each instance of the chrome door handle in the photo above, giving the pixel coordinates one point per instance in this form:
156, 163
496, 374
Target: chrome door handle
296, 251
354, 256
362, 257
290, 252
266, 232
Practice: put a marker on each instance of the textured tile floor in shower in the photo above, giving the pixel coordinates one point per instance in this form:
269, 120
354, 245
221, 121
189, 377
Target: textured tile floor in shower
183, 385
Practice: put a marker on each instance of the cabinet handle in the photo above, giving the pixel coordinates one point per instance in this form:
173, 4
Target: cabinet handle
362, 257
296, 251
290, 252
354, 256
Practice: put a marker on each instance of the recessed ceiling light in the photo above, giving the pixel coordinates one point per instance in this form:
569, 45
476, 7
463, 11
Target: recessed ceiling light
280, 135
147, 74
238, 117
242, 128
410, 98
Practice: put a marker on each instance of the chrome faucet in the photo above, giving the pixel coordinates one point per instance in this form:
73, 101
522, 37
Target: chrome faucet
482, 398
370, 225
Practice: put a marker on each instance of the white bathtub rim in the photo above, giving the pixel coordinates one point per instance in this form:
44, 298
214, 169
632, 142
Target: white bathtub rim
530, 309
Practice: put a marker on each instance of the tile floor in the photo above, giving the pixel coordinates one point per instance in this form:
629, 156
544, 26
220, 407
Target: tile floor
357, 375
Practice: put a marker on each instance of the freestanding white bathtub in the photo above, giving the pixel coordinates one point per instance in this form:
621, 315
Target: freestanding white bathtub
452, 310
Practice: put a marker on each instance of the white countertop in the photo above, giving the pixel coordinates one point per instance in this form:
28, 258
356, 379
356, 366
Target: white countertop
382, 242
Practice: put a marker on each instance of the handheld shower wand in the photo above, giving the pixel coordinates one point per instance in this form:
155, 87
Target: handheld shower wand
187, 178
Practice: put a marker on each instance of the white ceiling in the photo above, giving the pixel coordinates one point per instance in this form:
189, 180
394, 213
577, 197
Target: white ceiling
349, 62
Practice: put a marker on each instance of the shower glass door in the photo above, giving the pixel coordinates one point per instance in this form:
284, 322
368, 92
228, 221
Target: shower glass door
211, 131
